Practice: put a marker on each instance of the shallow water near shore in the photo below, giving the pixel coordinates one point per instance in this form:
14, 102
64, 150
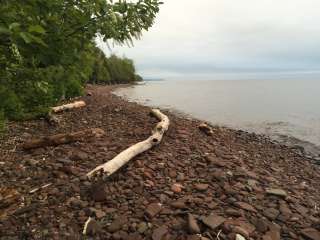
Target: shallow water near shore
285, 110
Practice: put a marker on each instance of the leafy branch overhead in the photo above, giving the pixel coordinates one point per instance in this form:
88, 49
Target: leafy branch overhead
47, 48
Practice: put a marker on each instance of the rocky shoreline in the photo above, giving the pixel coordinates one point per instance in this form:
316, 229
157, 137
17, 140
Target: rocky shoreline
230, 185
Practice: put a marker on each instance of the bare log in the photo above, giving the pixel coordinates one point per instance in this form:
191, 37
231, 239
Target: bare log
125, 156
63, 138
68, 106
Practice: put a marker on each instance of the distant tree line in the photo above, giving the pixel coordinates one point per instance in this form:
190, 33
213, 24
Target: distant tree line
47, 49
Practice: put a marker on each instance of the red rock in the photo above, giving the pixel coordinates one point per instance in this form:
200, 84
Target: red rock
193, 226
311, 234
159, 233
213, 221
176, 188
153, 209
245, 206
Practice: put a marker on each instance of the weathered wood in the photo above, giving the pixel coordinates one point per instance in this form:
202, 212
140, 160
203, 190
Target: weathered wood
63, 138
122, 158
68, 106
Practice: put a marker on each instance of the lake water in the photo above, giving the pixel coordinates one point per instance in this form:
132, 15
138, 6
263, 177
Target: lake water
285, 110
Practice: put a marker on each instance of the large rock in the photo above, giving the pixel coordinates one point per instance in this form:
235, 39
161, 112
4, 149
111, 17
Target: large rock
213, 221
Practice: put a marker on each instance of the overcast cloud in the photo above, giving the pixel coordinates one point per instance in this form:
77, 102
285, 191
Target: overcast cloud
206, 36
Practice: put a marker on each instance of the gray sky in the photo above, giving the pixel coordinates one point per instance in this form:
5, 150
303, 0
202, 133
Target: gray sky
210, 36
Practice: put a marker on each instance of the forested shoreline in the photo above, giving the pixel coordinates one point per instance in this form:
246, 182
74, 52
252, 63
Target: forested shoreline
48, 51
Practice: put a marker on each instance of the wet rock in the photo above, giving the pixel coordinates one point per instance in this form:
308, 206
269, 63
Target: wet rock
276, 192
213, 221
153, 209
159, 233
310, 234
193, 226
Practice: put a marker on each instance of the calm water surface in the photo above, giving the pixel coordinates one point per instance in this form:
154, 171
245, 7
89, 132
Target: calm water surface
286, 110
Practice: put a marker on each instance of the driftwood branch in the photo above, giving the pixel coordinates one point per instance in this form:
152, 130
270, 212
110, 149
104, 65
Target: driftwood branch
68, 106
122, 158
63, 138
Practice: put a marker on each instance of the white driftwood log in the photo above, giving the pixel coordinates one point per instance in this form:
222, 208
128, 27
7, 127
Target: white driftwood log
62, 108
125, 156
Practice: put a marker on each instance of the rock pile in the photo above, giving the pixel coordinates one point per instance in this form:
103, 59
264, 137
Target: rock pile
226, 185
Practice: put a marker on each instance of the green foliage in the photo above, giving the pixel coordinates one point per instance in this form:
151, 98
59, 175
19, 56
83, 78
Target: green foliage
2, 122
113, 70
47, 51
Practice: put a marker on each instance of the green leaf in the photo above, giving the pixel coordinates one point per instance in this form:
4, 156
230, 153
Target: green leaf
14, 25
25, 36
36, 29
29, 38
4, 30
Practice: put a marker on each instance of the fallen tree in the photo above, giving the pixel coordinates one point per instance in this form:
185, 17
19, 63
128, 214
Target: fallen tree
76, 104
125, 156
63, 138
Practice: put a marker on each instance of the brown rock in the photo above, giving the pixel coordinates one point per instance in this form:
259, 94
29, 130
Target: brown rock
176, 188
276, 192
271, 213
153, 209
98, 192
245, 206
179, 205
213, 221
193, 226
311, 234
262, 225
201, 187
117, 224
271, 235
159, 233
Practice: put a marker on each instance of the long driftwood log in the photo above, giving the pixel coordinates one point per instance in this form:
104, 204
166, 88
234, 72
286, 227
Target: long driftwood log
125, 156
76, 104
63, 138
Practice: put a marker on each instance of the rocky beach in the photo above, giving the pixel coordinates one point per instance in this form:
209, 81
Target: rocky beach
228, 185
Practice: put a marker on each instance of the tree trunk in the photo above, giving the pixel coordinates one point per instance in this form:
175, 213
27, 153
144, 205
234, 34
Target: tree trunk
62, 108
121, 159
63, 138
